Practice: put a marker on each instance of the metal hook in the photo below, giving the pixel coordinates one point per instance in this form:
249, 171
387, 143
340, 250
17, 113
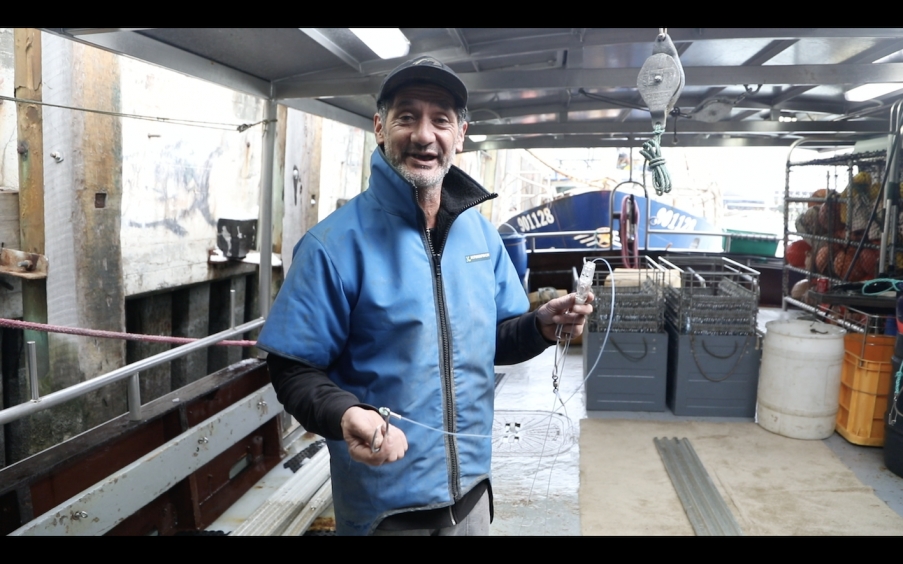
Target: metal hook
385, 412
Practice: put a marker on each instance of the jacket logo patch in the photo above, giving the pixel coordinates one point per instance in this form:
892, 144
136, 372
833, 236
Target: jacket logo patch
474, 258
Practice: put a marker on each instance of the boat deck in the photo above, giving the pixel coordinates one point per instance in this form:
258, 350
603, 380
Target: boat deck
536, 461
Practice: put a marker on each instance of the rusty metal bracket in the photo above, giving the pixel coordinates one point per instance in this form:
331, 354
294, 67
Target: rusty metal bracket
31, 266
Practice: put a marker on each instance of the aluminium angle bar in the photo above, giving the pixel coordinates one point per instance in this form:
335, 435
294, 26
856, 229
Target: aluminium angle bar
317, 504
107, 503
681, 482
724, 519
280, 510
708, 513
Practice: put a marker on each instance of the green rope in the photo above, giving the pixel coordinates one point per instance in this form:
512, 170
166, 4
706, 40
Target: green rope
652, 151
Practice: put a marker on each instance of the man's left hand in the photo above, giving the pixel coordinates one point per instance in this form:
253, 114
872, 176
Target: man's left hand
566, 312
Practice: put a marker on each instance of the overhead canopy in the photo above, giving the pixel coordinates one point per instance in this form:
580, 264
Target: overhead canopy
560, 87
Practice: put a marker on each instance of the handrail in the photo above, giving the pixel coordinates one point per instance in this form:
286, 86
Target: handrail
50, 400
649, 231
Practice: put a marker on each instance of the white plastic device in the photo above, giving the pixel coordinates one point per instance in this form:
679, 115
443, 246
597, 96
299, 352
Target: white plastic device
585, 282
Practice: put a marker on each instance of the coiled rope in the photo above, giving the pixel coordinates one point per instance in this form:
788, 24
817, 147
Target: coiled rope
652, 151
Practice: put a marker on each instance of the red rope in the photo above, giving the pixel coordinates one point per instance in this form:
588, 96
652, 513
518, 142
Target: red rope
112, 334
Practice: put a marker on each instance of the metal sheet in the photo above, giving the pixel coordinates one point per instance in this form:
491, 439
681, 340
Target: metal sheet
99, 508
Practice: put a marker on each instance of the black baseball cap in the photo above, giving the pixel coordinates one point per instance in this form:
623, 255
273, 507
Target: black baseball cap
424, 69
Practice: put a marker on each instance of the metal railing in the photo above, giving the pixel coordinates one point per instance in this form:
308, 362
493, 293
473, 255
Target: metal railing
131, 371
531, 246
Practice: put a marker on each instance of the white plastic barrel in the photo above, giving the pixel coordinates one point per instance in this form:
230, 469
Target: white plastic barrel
799, 380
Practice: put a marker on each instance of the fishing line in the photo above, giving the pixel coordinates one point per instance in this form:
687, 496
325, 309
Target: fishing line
556, 377
173, 121
562, 347
472, 435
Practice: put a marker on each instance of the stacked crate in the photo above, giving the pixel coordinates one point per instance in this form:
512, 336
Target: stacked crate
625, 348
865, 377
714, 351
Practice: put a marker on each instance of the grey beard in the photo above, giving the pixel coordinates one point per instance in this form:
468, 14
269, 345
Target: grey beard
420, 180
423, 180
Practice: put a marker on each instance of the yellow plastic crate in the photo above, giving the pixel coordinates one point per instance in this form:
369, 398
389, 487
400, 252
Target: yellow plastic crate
878, 348
863, 399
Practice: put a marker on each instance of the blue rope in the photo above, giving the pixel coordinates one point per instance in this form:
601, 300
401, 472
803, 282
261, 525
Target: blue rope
652, 151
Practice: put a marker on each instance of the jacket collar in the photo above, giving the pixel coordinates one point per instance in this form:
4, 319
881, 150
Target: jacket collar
396, 195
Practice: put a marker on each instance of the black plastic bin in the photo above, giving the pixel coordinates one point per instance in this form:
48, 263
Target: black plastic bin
893, 426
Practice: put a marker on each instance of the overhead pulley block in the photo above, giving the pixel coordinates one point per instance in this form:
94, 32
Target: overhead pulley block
661, 79
660, 83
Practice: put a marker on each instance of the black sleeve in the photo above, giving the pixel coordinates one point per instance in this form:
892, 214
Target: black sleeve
518, 339
310, 396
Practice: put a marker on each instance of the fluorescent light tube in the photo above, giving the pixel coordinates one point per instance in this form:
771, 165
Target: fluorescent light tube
386, 42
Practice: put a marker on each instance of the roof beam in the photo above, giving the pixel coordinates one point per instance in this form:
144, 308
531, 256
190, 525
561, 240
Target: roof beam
686, 126
461, 41
695, 76
488, 113
765, 54
613, 78
318, 108
745, 114
619, 36
332, 47
542, 42
868, 56
456, 34
770, 51
93, 30
152, 51
580, 141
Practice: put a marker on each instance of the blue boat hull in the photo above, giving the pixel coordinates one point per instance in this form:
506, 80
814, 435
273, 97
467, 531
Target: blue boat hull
589, 211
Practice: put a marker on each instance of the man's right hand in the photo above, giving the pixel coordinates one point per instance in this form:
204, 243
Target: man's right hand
358, 427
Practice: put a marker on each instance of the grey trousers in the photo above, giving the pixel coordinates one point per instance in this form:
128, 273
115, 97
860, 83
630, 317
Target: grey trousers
474, 525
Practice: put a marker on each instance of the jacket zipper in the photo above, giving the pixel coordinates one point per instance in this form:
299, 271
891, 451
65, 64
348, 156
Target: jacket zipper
445, 366
445, 352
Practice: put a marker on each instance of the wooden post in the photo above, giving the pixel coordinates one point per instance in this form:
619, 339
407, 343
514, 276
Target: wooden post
31, 140
30, 147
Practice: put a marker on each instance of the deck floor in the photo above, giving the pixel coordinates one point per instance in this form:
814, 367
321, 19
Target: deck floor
549, 504
536, 450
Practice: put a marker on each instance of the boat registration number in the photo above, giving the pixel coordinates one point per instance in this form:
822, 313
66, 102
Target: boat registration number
669, 219
535, 219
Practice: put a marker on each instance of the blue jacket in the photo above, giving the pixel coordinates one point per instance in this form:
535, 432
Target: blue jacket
399, 326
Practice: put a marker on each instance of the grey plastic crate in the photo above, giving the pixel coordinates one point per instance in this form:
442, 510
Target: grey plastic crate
713, 375
716, 296
630, 376
638, 300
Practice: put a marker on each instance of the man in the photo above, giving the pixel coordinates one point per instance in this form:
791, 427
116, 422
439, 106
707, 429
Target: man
405, 298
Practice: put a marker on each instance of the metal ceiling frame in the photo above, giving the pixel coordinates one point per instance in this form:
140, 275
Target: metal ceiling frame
527, 85
351, 76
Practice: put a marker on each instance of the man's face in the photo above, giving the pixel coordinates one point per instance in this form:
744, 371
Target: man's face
421, 134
